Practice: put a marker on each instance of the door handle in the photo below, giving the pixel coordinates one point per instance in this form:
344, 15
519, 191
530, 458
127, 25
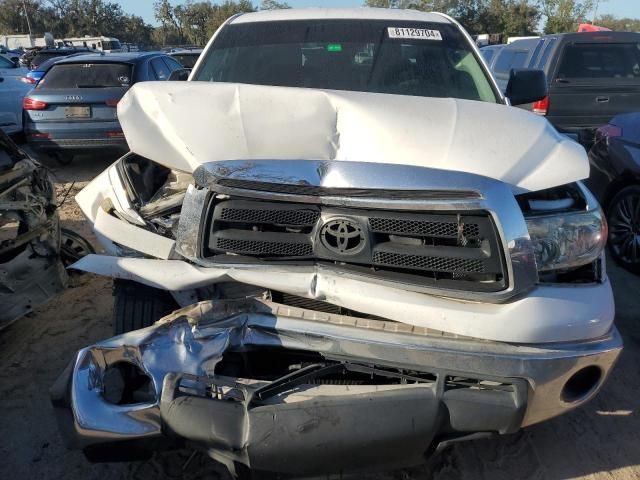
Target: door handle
602, 99
1, 79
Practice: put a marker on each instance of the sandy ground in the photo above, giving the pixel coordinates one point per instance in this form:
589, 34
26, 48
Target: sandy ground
598, 441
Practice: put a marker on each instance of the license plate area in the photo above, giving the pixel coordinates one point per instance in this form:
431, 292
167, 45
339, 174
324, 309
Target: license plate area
77, 111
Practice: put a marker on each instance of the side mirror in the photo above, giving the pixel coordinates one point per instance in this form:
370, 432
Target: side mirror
526, 86
180, 75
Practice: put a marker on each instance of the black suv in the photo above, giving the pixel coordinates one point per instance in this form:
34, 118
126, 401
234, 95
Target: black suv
40, 56
592, 76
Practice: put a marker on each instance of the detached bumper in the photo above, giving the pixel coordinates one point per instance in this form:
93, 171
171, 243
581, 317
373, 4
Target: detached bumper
297, 391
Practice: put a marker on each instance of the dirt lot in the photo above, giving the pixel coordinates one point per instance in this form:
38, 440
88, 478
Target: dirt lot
598, 441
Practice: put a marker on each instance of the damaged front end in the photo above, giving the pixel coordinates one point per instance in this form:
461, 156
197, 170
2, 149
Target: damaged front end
346, 308
297, 391
31, 271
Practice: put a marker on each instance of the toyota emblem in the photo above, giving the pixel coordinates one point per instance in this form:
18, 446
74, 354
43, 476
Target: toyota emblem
342, 236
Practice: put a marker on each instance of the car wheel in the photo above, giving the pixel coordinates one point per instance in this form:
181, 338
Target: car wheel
73, 247
138, 306
624, 228
63, 158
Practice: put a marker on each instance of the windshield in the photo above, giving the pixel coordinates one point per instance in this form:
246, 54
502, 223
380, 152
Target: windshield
187, 60
406, 58
111, 45
87, 75
43, 57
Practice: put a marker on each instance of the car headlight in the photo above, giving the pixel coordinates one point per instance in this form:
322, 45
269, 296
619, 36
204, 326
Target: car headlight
567, 227
568, 240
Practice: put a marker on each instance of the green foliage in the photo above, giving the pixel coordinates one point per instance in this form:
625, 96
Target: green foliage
194, 23
273, 5
619, 24
510, 17
565, 15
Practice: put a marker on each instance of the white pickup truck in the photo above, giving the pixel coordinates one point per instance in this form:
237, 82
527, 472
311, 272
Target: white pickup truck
363, 250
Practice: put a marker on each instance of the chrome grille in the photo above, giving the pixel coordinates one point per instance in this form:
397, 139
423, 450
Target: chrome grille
446, 250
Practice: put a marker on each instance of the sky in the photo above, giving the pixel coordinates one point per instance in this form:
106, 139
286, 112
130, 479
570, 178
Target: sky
144, 8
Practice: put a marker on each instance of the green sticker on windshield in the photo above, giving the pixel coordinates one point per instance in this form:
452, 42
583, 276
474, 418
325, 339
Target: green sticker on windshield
334, 47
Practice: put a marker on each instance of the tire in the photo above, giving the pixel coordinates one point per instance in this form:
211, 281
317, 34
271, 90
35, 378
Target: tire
73, 247
623, 217
138, 306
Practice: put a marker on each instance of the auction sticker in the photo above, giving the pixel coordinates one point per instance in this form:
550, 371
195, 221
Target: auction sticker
414, 33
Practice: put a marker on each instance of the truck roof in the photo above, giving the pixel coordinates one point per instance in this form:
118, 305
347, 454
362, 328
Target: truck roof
340, 14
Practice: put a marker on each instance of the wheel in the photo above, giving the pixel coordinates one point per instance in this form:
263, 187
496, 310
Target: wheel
624, 228
138, 306
73, 247
63, 158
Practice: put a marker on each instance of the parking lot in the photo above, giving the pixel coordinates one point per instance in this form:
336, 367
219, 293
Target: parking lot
600, 440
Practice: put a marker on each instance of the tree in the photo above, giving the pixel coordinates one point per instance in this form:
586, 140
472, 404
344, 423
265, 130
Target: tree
194, 21
225, 10
135, 30
510, 17
165, 15
619, 24
564, 15
13, 16
273, 5
520, 18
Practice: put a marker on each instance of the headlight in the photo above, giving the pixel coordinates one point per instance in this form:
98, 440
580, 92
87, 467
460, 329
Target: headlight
566, 225
567, 240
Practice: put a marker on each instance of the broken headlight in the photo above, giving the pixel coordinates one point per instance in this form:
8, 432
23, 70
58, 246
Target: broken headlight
155, 192
566, 225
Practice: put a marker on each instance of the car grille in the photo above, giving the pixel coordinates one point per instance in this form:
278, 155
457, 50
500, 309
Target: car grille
460, 251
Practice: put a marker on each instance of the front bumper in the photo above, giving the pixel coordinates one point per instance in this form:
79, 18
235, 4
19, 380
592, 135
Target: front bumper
189, 377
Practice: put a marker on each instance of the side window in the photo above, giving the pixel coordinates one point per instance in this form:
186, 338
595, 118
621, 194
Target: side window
536, 54
504, 61
173, 64
509, 59
6, 63
487, 54
545, 54
519, 59
160, 69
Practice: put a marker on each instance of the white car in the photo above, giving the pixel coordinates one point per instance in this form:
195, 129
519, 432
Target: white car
365, 270
12, 91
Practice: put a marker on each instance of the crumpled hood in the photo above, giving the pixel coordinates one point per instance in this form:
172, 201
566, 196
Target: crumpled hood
183, 125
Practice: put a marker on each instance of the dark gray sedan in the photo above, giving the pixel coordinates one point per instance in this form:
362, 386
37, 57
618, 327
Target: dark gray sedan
73, 108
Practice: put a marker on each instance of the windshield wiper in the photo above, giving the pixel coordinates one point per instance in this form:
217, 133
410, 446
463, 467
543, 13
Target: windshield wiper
93, 86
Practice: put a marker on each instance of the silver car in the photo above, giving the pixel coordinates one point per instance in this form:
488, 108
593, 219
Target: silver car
12, 91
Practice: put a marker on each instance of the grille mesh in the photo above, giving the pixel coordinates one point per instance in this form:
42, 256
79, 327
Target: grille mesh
281, 217
423, 228
419, 262
286, 249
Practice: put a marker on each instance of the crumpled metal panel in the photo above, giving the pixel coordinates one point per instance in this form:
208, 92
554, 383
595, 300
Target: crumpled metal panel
183, 125
31, 272
191, 341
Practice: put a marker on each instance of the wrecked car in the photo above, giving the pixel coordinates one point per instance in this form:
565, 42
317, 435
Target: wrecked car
31, 269
352, 268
